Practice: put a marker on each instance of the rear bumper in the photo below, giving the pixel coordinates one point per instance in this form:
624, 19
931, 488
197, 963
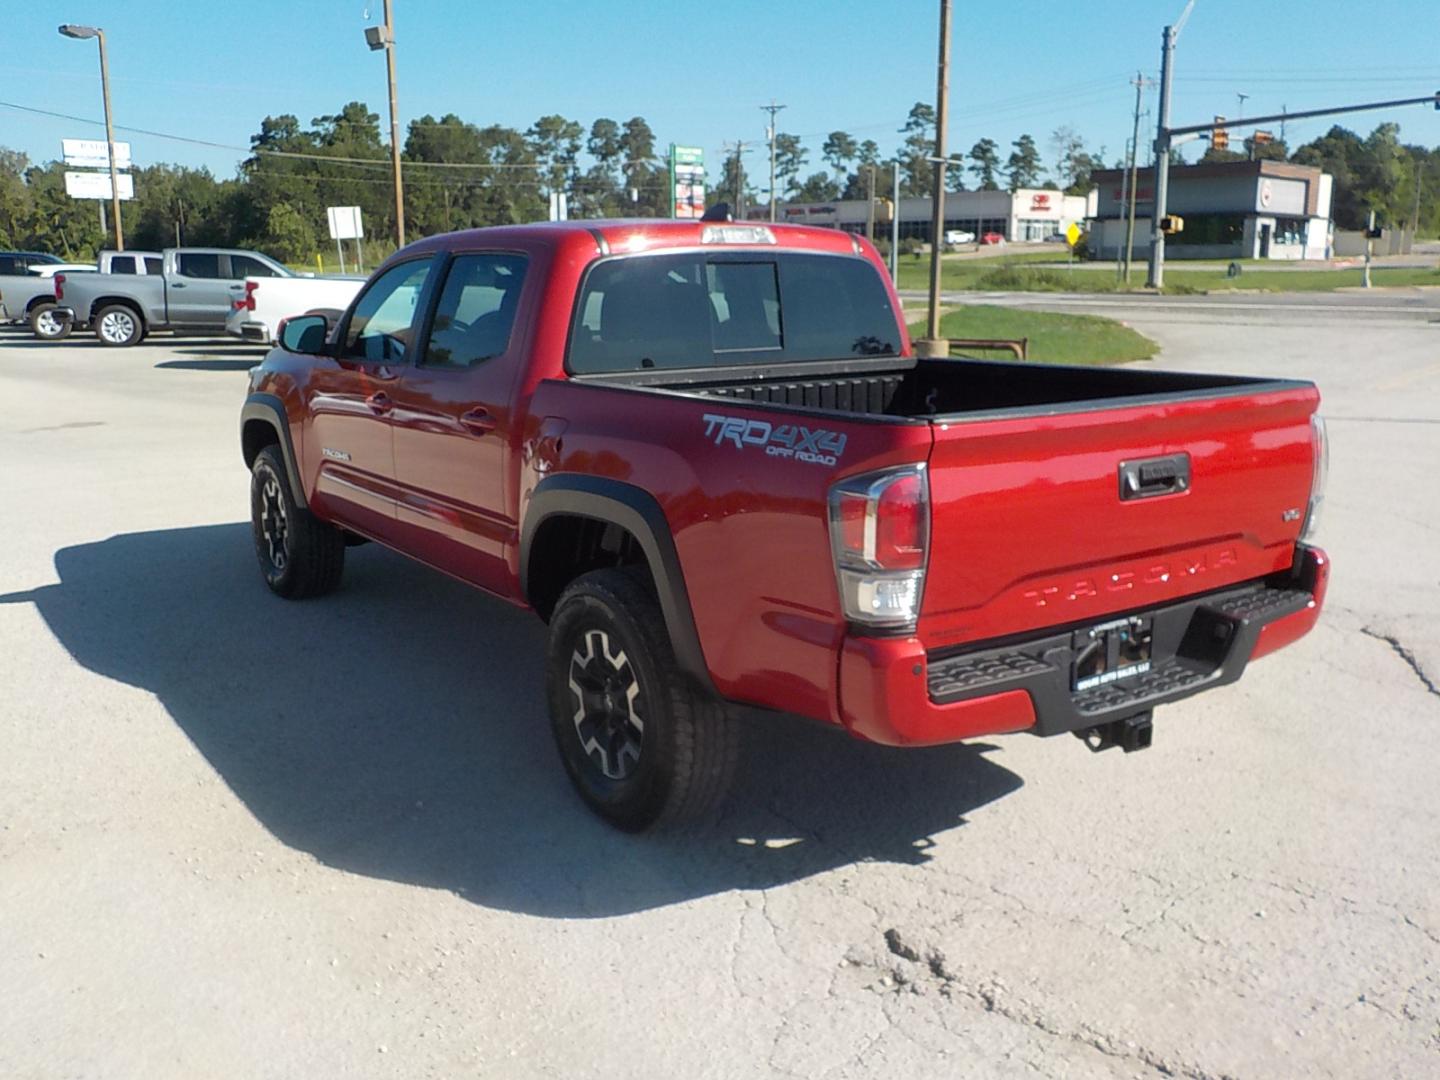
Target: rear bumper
892, 691
253, 331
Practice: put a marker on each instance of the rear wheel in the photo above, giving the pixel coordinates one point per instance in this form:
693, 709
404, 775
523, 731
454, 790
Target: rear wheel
641, 745
300, 555
47, 325
119, 325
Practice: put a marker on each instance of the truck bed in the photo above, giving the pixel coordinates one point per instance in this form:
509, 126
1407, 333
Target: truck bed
924, 389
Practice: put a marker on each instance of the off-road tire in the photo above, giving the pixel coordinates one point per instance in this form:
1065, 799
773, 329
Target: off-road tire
47, 326
686, 757
300, 555
119, 325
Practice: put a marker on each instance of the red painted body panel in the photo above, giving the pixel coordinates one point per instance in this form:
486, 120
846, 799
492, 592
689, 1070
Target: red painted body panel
1027, 529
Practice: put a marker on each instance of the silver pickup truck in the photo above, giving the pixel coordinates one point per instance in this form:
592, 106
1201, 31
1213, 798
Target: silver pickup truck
30, 296
195, 292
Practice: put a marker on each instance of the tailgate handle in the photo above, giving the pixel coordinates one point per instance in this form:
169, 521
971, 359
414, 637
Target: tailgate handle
1154, 476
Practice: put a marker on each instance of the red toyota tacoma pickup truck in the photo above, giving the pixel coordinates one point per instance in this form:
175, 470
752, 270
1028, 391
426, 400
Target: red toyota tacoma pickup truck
706, 455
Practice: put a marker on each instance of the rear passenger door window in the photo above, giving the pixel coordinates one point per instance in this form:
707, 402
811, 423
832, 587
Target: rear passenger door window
243, 266
476, 310
198, 264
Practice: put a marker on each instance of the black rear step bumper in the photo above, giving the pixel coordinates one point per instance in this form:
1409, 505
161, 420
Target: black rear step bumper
1198, 643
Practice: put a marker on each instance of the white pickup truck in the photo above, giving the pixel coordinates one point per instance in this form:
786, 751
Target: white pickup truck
268, 301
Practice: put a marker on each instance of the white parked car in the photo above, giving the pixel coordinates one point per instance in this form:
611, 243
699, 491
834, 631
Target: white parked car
268, 300
959, 236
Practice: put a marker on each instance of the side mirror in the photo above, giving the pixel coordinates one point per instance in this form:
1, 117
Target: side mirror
304, 334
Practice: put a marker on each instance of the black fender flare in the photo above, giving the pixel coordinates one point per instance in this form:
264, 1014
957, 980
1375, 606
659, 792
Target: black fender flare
638, 513
270, 410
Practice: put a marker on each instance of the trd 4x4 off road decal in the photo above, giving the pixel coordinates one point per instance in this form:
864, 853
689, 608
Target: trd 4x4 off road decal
817, 446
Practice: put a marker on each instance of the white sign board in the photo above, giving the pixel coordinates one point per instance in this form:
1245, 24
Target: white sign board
96, 185
345, 223
91, 154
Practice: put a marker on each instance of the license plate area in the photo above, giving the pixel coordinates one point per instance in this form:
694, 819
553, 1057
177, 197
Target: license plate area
1111, 651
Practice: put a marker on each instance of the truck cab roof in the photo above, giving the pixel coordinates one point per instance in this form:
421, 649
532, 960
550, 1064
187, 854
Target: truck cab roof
630, 235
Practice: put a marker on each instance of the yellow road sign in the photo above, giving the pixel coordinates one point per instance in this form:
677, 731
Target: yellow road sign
1072, 234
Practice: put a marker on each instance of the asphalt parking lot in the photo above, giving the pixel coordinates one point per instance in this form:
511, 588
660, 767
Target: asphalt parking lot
246, 838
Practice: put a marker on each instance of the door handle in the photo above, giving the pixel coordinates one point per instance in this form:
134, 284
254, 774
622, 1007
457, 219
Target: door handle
379, 402
478, 421
177, 284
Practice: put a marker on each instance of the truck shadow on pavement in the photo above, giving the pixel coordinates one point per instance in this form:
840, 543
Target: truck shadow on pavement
397, 729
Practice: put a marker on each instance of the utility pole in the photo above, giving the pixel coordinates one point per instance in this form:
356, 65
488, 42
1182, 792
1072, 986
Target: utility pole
394, 126
1283, 110
772, 109
1369, 245
1241, 98
739, 147
937, 217
1127, 190
1162, 149
895, 224
870, 205
1415, 216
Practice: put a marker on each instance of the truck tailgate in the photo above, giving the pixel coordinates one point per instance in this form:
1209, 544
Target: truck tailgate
1030, 528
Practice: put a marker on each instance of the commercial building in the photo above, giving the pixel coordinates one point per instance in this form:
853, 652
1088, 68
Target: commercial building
1232, 210
1027, 214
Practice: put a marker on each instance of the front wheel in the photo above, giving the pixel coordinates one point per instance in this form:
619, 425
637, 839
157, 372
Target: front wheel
46, 325
299, 554
119, 325
641, 745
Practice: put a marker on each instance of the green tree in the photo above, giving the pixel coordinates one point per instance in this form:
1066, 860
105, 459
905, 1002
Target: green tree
985, 163
15, 208
919, 146
790, 158
818, 187
839, 149
555, 142
288, 235
1022, 168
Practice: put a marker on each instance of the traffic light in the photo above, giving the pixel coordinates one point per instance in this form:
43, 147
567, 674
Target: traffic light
1263, 137
1219, 135
1172, 223
884, 210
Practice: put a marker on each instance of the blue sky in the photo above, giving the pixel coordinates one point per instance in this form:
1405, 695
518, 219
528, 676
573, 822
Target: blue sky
699, 72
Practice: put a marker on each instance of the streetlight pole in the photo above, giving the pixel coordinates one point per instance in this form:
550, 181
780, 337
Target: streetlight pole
383, 37
937, 217
1162, 150
80, 33
394, 126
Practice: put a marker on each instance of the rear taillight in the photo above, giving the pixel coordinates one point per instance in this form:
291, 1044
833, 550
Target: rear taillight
59, 280
1318, 477
248, 304
879, 534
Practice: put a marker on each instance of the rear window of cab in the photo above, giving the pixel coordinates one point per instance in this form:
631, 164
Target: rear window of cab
719, 309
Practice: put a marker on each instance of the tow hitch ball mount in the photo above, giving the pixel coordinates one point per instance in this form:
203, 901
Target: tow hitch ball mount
1130, 734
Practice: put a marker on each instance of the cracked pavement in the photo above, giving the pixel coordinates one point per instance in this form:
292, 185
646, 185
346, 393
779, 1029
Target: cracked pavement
258, 840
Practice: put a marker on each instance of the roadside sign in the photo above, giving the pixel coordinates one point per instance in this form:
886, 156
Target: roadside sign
96, 185
345, 223
93, 154
1073, 234
687, 181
